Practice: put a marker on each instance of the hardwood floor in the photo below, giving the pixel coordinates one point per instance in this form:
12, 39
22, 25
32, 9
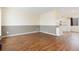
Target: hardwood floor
41, 42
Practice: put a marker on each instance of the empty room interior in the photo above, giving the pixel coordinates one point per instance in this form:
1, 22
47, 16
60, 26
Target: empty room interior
39, 29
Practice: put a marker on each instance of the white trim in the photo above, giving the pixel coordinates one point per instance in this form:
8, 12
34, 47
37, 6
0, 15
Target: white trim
49, 33
28, 33
19, 34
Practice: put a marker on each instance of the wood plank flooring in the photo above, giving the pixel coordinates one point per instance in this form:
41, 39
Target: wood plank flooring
41, 42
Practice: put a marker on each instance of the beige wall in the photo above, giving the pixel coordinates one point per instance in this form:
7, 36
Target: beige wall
53, 17
48, 18
16, 16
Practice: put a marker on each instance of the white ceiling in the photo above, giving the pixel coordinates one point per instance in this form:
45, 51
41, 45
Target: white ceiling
45, 9
34, 10
40, 10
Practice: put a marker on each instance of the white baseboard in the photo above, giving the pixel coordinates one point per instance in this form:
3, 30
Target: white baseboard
19, 34
28, 33
49, 33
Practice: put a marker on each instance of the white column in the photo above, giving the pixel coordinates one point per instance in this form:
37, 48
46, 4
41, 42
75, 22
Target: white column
59, 31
